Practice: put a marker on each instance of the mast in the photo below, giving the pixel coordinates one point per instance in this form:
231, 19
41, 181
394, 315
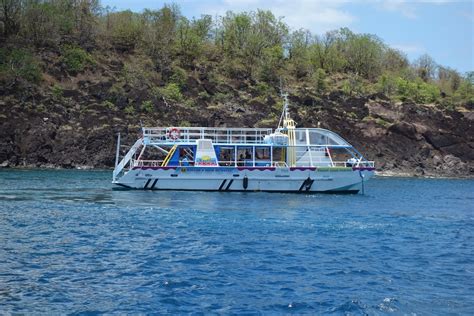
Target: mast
288, 128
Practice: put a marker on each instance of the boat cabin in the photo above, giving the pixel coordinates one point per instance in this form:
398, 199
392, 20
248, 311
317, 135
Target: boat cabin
244, 147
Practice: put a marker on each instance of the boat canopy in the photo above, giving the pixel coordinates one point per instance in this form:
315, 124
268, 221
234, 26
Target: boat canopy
319, 137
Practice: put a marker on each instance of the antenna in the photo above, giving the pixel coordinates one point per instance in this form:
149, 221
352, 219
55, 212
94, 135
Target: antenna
284, 114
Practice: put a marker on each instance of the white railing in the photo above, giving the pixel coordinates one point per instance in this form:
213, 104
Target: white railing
370, 164
259, 163
126, 159
217, 135
146, 163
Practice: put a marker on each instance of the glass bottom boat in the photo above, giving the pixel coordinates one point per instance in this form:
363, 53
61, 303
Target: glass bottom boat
287, 159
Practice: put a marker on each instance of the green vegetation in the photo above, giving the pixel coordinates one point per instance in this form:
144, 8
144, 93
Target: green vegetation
171, 92
161, 49
129, 109
75, 58
147, 106
18, 64
57, 91
108, 104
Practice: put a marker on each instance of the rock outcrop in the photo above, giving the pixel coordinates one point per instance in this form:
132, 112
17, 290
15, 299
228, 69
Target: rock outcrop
77, 127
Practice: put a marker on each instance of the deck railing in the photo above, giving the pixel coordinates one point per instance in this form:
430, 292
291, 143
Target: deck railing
217, 135
257, 163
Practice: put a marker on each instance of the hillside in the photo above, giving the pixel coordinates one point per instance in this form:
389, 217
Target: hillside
70, 84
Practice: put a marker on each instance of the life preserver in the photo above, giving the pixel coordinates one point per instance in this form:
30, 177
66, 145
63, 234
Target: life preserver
174, 133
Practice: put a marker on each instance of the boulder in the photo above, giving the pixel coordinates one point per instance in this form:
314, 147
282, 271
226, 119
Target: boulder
405, 129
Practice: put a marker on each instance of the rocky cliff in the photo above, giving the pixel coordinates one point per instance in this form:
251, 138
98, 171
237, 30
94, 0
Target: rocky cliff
71, 120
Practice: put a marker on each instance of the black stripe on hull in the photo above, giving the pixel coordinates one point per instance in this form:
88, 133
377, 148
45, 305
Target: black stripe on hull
228, 186
302, 185
154, 183
147, 183
222, 184
307, 184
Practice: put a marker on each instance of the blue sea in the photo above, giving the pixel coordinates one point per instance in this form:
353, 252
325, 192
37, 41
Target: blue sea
69, 244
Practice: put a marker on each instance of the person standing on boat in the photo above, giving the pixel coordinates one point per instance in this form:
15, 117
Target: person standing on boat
185, 161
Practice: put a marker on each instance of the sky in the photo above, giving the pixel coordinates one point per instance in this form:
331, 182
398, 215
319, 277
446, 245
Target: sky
444, 29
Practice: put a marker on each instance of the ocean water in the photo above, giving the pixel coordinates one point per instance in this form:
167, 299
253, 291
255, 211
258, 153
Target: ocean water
69, 244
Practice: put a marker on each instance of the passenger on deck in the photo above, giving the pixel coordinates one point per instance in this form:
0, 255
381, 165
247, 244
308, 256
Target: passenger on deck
185, 162
351, 162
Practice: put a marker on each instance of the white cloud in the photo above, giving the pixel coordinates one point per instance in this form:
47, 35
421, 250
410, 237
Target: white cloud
402, 6
316, 16
407, 8
408, 48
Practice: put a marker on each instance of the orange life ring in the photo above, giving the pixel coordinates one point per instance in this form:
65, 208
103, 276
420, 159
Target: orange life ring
174, 133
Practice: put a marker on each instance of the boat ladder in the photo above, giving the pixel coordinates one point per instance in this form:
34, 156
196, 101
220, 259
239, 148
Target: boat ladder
127, 158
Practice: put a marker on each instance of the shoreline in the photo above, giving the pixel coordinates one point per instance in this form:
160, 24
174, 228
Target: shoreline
381, 174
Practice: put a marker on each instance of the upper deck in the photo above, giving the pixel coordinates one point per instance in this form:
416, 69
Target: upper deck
217, 135
238, 136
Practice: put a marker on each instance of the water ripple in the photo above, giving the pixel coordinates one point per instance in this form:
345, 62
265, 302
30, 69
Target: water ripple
70, 244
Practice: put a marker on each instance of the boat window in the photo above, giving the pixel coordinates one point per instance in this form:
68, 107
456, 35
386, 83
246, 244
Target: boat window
263, 157
244, 156
226, 156
319, 136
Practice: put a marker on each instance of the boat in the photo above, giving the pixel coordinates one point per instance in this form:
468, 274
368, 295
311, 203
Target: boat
287, 159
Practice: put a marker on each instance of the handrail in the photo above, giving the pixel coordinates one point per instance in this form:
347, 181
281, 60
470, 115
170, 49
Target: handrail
169, 156
231, 163
127, 158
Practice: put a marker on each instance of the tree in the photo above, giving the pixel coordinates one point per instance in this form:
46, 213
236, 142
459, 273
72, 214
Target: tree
124, 29
271, 64
394, 60
449, 79
10, 12
324, 53
85, 20
363, 54
191, 36
425, 67
160, 35
245, 37
298, 53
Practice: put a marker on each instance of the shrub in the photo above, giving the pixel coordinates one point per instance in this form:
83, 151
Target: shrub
220, 97
19, 63
203, 95
387, 84
147, 106
75, 58
138, 72
108, 104
129, 109
417, 90
382, 122
124, 29
319, 78
171, 92
263, 89
57, 91
179, 76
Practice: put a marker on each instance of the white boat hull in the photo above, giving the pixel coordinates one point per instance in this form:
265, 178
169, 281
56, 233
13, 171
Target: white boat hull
348, 180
